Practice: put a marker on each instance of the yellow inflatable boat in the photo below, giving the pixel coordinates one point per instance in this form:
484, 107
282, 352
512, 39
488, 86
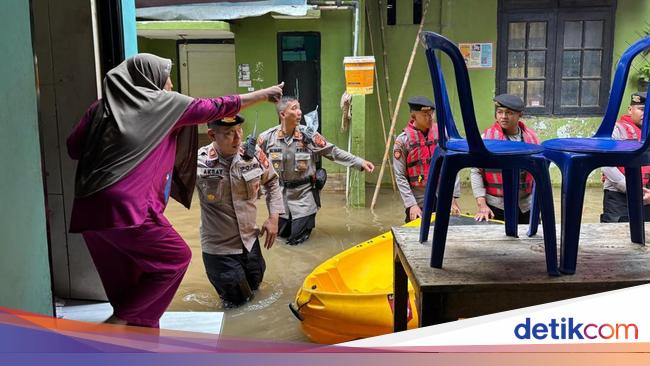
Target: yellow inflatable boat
350, 295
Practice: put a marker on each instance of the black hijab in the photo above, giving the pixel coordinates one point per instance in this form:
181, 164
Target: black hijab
131, 120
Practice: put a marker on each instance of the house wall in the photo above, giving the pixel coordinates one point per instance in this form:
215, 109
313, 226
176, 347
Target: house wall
164, 48
259, 50
460, 20
25, 281
476, 21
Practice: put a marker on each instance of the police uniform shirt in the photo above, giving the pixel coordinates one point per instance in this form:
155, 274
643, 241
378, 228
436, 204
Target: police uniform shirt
478, 184
293, 157
410, 195
614, 178
228, 189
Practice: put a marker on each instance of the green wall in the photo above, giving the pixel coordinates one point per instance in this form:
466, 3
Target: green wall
476, 21
259, 49
256, 45
25, 281
460, 20
164, 48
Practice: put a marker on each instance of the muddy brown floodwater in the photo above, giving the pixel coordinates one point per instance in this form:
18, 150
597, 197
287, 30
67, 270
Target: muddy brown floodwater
337, 228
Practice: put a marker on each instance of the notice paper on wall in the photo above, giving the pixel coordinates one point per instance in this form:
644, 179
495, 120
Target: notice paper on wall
477, 55
244, 76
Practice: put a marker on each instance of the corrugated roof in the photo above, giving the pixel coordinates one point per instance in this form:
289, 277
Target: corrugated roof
200, 10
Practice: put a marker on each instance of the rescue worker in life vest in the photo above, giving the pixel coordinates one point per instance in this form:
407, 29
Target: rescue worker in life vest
628, 127
293, 150
229, 183
487, 184
412, 153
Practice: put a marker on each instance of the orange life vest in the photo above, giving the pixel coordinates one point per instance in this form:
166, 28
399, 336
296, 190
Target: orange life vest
420, 150
493, 178
632, 132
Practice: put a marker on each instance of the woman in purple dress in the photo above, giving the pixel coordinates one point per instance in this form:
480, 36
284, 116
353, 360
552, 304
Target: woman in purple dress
136, 147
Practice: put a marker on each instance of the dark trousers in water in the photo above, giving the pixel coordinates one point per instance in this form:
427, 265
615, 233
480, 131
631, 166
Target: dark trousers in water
499, 214
296, 231
615, 208
236, 276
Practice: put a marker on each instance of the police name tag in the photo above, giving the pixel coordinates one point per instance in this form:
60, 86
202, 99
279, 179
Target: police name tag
303, 156
206, 172
252, 174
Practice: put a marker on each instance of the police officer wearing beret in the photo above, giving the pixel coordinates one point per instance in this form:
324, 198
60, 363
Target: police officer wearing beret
293, 150
412, 153
229, 185
487, 184
628, 127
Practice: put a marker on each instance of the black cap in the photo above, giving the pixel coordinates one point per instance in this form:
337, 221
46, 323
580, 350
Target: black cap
420, 103
509, 101
227, 121
638, 98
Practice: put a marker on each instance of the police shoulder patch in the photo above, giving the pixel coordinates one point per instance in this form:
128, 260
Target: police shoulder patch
263, 159
319, 140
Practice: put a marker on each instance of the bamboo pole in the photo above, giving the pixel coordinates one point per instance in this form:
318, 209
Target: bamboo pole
381, 111
382, 33
399, 102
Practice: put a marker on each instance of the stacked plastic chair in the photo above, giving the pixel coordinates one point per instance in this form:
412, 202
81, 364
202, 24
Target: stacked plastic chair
577, 157
454, 153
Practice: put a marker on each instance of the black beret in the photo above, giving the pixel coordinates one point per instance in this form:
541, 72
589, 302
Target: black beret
420, 103
227, 121
638, 98
509, 101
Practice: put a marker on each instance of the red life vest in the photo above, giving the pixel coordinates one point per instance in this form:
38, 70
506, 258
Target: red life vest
493, 178
420, 150
632, 132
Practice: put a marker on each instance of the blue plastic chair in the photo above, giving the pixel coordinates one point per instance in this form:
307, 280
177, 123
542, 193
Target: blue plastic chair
577, 157
454, 153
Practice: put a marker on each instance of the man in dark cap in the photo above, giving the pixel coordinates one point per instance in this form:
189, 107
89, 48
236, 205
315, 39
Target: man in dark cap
487, 184
412, 154
228, 184
628, 127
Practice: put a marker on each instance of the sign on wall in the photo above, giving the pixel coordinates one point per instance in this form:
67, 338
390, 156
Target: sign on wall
477, 55
244, 76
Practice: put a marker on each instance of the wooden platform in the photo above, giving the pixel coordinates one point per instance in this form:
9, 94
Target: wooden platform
484, 271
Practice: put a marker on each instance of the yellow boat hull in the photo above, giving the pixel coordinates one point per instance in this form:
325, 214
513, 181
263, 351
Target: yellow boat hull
349, 296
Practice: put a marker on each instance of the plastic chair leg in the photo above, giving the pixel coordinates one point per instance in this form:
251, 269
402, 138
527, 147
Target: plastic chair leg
533, 223
511, 200
635, 204
445, 196
573, 195
429, 197
535, 207
544, 194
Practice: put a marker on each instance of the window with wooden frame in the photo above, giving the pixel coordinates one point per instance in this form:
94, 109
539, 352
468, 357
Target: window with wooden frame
556, 54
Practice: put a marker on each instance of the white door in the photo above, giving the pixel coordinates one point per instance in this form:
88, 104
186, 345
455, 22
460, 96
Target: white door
207, 70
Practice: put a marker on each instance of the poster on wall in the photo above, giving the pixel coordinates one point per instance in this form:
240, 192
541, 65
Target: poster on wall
476, 55
244, 76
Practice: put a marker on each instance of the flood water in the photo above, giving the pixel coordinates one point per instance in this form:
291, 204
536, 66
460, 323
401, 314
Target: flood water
267, 316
